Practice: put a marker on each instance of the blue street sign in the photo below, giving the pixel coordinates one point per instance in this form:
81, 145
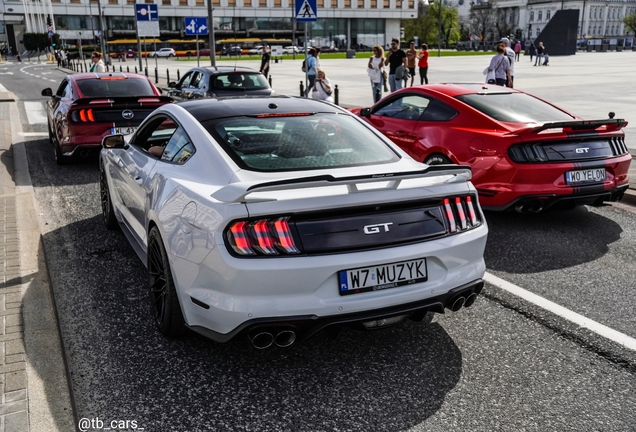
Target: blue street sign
195, 26
147, 12
306, 10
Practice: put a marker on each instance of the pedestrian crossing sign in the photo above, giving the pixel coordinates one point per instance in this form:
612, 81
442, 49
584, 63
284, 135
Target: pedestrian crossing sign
306, 10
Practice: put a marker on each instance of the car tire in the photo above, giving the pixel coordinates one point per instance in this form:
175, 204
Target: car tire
165, 306
437, 159
60, 159
108, 213
51, 136
170, 55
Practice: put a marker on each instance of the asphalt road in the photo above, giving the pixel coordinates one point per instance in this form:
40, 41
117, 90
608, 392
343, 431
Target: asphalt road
502, 365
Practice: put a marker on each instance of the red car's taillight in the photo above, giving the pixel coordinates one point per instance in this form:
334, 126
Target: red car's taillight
460, 213
83, 115
262, 237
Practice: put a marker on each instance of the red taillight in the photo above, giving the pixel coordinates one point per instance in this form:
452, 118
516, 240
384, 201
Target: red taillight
84, 115
462, 215
262, 237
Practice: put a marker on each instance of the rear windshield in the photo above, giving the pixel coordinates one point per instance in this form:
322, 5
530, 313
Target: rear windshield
126, 87
514, 107
239, 81
299, 143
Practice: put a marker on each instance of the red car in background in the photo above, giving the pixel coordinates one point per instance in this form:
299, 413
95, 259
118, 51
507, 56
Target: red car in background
525, 153
124, 54
89, 106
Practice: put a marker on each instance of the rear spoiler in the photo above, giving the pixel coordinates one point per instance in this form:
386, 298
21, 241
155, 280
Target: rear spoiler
237, 192
579, 125
118, 100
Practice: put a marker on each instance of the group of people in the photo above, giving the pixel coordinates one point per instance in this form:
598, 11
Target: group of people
542, 58
319, 84
401, 67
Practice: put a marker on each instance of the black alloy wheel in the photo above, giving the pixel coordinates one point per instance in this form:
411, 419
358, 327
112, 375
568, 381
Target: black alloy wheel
437, 159
108, 213
163, 295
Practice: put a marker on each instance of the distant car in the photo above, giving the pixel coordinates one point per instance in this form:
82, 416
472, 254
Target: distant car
326, 49
256, 50
163, 52
219, 81
277, 218
525, 153
232, 51
203, 52
291, 50
87, 107
124, 54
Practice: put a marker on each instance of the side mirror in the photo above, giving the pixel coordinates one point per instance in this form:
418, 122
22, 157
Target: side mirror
113, 142
47, 92
365, 112
172, 84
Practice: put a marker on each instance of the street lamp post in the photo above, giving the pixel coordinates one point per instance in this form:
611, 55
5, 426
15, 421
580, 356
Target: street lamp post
439, 30
211, 33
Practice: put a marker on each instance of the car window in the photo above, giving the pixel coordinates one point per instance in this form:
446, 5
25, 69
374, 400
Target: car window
515, 107
179, 149
408, 107
64, 90
306, 142
195, 80
438, 111
101, 87
185, 80
155, 133
240, 81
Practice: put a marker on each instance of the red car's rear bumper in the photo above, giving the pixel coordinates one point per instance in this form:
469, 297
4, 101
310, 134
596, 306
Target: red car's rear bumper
504, 185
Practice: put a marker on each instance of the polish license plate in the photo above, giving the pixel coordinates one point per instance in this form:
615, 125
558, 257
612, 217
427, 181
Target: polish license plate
382, 276
594, 175
123, 130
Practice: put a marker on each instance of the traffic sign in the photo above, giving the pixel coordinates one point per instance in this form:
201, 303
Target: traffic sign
147, 12
195, 26
50, 33
306, 10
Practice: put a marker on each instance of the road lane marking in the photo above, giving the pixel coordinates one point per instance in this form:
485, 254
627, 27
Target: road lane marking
35, 112
33, 134
598, 328
3, 88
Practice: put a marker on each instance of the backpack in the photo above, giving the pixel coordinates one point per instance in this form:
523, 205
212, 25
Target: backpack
304, 66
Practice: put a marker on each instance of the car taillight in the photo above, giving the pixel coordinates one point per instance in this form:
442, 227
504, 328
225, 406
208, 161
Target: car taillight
262, 237
83, 115
460, 213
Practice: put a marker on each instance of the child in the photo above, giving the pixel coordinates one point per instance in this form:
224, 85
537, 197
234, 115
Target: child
546, 59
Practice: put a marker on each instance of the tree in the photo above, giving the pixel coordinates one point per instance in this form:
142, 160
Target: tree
630, 22
426, 25
482, 19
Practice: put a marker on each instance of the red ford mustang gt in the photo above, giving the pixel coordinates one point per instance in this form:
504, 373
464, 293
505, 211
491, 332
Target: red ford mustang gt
90, 106
526, 154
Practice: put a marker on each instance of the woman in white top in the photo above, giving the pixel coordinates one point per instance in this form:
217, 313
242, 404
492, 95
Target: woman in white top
322, 87
374, 69
98, 64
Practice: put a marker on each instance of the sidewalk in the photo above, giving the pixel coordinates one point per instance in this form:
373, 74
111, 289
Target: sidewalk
33, 380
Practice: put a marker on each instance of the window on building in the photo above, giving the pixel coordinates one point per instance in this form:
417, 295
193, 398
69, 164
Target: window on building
231, 3
398, 4
540, 17
548, 14
320, 3
373, 4
130, 2
411, 4
334, 4
199, 3
386, 4
537, 31
247, 3
360, 4
262, 3
278, 3
531, 16
347, 4
183, 2
109, 1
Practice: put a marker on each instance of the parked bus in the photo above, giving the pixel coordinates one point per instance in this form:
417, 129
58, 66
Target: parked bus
183, 47
128, 47
247, 44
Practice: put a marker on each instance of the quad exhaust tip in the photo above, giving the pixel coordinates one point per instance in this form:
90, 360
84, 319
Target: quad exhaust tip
265, 339
285, 338
262, 340
458, 303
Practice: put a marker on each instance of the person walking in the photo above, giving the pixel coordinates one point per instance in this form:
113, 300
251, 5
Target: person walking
510, 55
411, 55
98, 64
375, 69
322, 87
532, 51
394, 59
540, 50
501, 66
265, 61
422, 64
312, 65
517, 50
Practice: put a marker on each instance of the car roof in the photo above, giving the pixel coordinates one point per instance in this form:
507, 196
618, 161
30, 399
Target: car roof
96, 75
206, 109
459, 89
226, 69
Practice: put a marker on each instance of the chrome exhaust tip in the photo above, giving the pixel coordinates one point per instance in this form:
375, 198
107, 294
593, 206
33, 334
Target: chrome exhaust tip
470, 300
457, 304
262, 340
285, 338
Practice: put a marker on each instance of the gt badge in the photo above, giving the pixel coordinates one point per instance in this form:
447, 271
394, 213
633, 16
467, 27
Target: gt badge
127, 114
374, 229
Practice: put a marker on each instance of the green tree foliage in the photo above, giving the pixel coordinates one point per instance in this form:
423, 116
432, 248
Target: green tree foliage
482, 21
630, 22
426, 25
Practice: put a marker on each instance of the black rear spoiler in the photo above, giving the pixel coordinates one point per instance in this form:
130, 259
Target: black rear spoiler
578, 125
119, 100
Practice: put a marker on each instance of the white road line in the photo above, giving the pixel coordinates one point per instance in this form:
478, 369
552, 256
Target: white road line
3, 88
598, 328
35, 112
33, 134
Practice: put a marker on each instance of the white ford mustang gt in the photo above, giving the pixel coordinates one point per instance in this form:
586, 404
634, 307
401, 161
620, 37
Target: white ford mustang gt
278, 217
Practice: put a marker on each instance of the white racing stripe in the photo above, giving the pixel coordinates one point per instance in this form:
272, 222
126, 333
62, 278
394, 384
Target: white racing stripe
35, 112
600, 329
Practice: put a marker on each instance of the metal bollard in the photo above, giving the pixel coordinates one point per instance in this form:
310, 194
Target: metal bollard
127, 68
120, 69
270, 80
146, 71
156, 76
302, 89
168, 76
178, 75
336, 95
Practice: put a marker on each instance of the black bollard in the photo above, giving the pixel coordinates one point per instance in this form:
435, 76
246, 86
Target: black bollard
270, 80
178, 75
135, 69
146, 71
302, 89
168, 76
120, 69
156, 76
336, 95
127, 68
